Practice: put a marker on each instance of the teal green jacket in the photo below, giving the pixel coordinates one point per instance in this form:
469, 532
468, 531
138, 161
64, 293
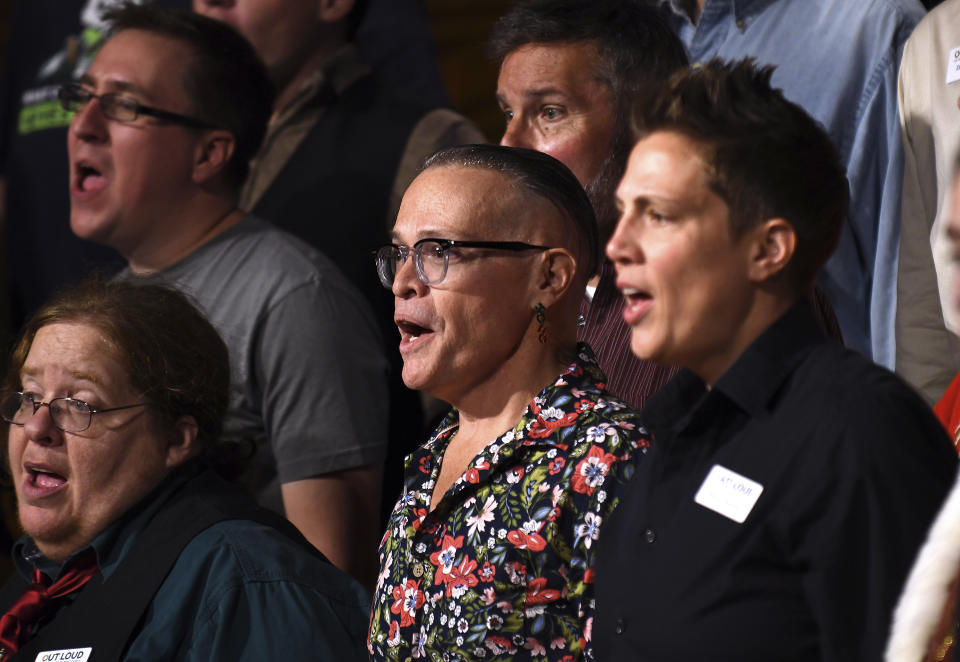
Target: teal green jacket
239, 590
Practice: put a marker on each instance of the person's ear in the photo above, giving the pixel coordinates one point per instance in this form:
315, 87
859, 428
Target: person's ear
555, 274
332, 11
773, 245
212, 155
183, 443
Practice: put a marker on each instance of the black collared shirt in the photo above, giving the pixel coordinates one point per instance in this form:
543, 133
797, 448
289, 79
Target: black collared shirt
852, 465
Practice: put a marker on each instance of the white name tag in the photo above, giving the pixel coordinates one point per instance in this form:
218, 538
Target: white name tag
69, 654
728, 493
953, 65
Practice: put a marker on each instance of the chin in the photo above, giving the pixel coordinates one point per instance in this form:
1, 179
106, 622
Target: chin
641, 347
44, 528
85, 226
414, 379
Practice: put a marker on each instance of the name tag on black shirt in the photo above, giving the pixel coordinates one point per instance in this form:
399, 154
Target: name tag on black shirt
728, 493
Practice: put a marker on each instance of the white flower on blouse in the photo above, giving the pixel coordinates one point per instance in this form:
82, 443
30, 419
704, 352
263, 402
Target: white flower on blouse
479, 521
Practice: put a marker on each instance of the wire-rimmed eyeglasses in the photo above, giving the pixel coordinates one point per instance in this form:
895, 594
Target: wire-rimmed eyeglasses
431, 257
73, 97
68, 414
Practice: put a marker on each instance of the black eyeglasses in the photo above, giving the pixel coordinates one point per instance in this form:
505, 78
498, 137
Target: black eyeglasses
68, 414
74, 97
431, 257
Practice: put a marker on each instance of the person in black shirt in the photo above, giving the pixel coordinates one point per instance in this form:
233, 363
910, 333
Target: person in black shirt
790, 481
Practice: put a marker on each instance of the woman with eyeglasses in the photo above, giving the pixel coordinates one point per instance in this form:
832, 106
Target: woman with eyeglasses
134, 547
489, 550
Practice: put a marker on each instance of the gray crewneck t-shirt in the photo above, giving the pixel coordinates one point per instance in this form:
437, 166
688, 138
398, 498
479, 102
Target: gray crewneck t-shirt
308, 381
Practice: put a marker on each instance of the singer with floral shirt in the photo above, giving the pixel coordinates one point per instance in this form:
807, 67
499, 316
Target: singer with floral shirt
490, 549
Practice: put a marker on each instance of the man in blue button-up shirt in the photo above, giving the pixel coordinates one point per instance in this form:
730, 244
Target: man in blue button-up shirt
838, 59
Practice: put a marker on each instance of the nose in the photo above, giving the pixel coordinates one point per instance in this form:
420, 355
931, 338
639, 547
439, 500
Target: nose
40, 429
89, 123
624, 246
515, 135
406, 282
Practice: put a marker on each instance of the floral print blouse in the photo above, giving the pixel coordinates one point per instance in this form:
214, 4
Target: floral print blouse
504, 565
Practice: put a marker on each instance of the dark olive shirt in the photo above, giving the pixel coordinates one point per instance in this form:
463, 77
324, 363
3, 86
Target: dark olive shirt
836, 469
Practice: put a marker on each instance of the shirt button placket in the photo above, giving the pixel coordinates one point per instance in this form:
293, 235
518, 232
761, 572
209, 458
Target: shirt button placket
650, 536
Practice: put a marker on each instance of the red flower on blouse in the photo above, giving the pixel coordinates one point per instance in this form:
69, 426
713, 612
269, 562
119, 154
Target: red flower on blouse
445, 557
591, 470
515, 475
584, 405
407, 600
555, 419
527, 539
461, 577
499, 645
419, 514
473, 473
487, 572
537, 593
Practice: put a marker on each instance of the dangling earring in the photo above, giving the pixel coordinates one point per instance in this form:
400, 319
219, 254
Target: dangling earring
541, 320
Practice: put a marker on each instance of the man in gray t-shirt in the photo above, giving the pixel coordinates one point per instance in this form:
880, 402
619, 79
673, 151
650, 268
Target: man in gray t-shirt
157, 158
281, 307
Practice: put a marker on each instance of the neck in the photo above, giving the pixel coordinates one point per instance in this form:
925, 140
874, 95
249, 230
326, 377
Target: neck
767, 308
182, 236
290, 83
495, 406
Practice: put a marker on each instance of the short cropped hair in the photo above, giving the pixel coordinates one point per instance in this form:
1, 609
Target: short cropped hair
765, 156
637, 48
171, 353
226, 80
537, 174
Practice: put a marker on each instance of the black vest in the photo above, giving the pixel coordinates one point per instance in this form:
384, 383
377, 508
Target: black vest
334, 190
334, 193
106, 615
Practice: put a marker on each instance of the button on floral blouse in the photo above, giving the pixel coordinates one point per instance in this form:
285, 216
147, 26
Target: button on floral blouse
504, 566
